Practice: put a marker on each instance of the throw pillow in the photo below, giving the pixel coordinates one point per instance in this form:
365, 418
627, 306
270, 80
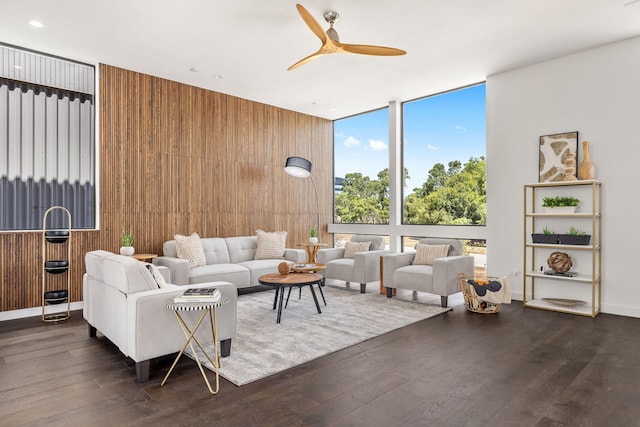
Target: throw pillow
425, 254
190, 247
271, 245
157, 276
350, 248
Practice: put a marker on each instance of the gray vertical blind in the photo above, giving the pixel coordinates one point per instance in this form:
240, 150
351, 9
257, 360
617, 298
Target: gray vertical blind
47, 140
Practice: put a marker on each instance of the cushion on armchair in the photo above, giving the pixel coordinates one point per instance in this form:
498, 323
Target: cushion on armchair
425, 254
351, 248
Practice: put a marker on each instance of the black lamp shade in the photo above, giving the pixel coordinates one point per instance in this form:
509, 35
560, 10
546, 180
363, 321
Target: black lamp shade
298, 167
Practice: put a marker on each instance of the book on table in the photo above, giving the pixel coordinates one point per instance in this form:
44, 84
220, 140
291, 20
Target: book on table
198, 295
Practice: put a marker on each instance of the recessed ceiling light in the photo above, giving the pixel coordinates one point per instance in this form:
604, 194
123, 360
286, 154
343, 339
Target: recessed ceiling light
194, 69
18, 67
218, 76
36, 24
333, 108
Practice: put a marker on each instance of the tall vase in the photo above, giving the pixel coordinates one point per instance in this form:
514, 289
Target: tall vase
586, 170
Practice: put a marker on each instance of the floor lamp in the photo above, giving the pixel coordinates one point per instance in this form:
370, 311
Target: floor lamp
301, 168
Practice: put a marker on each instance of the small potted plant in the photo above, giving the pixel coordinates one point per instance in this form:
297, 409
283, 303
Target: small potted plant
560, 204
127, 242
548, 236
313, 238
574, 237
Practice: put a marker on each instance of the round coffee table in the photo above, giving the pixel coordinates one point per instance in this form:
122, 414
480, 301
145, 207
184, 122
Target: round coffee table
282, 281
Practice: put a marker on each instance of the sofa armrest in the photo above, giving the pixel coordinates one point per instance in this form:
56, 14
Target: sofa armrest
392, 262
446, 270
153, 330
295, 255
367, 265
179, 268
325, 255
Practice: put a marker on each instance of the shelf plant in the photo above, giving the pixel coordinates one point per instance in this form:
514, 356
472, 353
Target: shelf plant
548, 236
560, 204
574, 237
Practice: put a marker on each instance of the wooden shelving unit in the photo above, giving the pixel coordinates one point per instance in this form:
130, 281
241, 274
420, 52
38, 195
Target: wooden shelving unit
587, 284
51, 238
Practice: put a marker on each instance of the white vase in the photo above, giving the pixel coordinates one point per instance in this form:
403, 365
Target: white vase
560, 209
313, 240
127, 250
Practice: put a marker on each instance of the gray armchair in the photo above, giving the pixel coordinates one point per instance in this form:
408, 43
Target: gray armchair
440, 278
364, 267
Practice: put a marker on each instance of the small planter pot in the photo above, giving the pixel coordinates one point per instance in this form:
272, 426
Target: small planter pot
560, 210
544, 238
127, 250
313, 240
571, 239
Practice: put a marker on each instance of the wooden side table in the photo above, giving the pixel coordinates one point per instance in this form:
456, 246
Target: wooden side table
383, 289
145, 257
189, 333
312, 250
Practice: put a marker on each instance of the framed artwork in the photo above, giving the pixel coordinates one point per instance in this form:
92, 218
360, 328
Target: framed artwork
558, 157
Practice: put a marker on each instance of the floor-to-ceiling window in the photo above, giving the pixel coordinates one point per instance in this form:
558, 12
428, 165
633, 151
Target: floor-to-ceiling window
47, 133
442, 170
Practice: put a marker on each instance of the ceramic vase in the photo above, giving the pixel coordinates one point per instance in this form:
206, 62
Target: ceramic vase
313, 240
127, 250
586, 170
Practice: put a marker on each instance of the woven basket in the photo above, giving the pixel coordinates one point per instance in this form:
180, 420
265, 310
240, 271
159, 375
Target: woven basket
471, 300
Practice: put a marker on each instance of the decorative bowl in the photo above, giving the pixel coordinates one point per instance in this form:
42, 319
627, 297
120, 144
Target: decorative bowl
56, 297
56, 236
56, 266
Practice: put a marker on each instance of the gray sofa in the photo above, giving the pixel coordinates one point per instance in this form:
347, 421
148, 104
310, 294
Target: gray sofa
122, 300
230, 259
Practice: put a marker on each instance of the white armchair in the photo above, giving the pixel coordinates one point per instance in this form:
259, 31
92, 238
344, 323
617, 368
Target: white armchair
122, 301
362, 268
440, 278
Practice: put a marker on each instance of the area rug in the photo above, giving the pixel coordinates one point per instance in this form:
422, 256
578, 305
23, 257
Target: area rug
262, 347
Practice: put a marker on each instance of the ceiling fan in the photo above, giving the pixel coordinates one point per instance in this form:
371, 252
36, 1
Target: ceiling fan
331, 41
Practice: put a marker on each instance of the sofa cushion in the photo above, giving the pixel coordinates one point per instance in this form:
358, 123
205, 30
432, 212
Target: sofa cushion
425, 254
351, 248
93, 263
215, 250
190, 247
157, 276
234, 273
127, 274
270, 245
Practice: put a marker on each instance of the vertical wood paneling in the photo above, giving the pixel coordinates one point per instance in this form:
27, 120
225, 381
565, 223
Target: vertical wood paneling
177, 159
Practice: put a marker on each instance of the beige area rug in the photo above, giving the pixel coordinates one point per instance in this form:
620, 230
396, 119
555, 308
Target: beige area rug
262, 347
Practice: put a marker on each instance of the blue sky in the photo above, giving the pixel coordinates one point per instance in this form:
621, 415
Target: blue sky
437, 129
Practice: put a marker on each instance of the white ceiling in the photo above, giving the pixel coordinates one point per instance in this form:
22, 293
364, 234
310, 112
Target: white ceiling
450, 43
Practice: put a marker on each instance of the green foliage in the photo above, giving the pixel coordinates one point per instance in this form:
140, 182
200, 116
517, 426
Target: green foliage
456, 195
547, 230
559, 201
312, 232
126, 238
575, 232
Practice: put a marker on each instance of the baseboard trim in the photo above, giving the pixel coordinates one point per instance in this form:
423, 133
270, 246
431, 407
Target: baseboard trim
37, 311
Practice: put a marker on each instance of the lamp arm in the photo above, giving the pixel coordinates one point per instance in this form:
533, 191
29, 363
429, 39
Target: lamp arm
317, 203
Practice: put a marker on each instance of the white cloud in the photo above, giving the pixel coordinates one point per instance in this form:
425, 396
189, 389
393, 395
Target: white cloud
432, 147
377, 145
340, 135
461, 128
351, 142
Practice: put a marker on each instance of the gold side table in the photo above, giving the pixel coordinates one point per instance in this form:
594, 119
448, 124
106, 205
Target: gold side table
207, 307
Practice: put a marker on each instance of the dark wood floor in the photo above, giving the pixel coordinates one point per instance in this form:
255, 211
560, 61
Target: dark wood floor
517, 368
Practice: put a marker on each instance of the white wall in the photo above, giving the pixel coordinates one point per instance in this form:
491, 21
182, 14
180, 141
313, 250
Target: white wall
597, 93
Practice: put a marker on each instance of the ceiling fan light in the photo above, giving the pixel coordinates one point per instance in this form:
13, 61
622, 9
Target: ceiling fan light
333, 34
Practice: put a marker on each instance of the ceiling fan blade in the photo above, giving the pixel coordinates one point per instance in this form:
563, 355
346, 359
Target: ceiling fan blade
371, 50
312, 23
304, 61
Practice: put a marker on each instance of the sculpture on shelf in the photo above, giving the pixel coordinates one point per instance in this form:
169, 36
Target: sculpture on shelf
587, 169
569, 167
559, 262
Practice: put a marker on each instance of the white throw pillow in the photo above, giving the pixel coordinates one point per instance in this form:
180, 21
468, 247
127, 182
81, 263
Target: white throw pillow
350, 248
425, 254
271, 245
190, 247
157, 276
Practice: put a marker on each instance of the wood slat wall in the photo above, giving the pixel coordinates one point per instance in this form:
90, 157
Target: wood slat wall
176, 159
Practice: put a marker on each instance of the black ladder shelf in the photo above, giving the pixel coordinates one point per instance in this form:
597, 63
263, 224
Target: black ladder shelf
55, 236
